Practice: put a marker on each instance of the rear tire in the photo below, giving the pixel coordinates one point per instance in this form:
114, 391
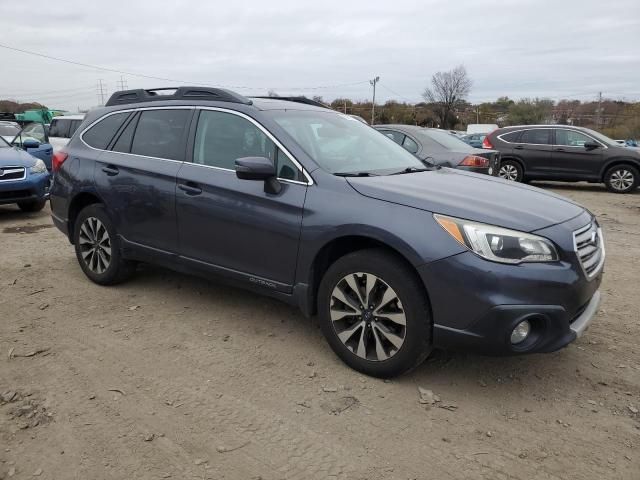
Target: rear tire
621, 179
32, 206
511, 170
98, 247
375, 314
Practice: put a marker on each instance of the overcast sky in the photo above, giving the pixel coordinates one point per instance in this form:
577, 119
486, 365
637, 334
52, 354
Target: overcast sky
523, 48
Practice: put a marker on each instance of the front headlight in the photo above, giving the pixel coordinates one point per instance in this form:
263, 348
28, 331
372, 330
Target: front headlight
498, 244
39, 167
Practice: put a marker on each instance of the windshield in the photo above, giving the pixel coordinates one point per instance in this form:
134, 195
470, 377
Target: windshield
446, 139
603, 138
8, 130
340, 144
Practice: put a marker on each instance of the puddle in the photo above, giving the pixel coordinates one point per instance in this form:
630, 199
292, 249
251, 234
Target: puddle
27, 228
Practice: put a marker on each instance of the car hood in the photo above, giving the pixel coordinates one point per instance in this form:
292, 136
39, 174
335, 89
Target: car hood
480, 198
13, 157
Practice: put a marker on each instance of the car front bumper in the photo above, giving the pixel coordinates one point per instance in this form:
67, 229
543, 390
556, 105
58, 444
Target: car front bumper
476, 304
34, 187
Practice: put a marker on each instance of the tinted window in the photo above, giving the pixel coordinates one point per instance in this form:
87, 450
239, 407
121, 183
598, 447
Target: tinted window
538, 136
160, 133
285, 167
123, 144
395, 136
74, 126
221, 138
510, 137
571, 138
59, 128
34, 131
100, 135
410, 145
444, 139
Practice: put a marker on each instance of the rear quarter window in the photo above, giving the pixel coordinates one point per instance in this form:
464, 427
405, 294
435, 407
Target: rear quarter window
511, 137
101, 134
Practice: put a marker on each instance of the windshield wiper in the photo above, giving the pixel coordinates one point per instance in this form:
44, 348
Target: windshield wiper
411, 170
355, 174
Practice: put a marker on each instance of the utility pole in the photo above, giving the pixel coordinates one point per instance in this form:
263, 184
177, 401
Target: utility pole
478, 115
373, 104
101, 91
599, 110
122, 83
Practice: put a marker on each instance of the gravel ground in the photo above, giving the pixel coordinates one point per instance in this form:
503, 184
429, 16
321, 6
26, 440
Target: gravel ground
170, 376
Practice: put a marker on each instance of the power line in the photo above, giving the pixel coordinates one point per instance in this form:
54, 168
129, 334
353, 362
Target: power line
171, 80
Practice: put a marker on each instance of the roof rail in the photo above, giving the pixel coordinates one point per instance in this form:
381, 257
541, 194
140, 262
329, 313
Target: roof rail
179, 93
305, 100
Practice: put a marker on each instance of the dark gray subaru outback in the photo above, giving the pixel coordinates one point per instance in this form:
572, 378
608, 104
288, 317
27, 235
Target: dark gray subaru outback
317, 209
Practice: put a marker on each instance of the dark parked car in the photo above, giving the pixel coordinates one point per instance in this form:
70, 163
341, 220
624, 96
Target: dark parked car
314, 208
24, 179
442, 148
563, 153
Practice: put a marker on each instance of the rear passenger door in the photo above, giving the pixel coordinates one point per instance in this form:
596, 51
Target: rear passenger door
136, 175
230, 226
534, 148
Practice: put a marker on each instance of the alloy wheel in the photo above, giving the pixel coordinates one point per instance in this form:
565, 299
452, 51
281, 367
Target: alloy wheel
367, 316
621, 179
95, 245
508, 172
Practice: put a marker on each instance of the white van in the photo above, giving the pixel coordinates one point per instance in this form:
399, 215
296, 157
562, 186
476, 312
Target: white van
481, 128
62, 129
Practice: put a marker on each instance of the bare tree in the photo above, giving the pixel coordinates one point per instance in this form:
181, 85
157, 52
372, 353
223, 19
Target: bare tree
447, 90
272, 93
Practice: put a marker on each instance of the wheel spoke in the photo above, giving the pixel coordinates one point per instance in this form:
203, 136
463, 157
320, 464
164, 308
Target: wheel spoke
392, 337
398, 318
369, 284
380, 353
352, 281
344, 298
342, 314
84, 231
347, 333
362, 349
389, 295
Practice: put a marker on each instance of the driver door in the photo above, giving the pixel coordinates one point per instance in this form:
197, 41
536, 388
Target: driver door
234, 227
36, 131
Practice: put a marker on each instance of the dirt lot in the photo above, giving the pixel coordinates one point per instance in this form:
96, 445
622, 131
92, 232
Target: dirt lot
169, 376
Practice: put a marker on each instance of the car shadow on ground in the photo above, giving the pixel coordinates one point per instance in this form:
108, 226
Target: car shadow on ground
442, 369
11, 213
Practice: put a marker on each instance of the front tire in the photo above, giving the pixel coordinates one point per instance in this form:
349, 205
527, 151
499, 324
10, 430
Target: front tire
98, 247
374, 313
511, 170
621, 179
32, 206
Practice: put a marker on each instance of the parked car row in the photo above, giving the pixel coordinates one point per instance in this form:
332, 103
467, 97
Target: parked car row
395, 254
564, 153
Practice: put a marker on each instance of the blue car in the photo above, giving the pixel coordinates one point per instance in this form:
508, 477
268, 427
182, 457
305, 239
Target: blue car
24, 179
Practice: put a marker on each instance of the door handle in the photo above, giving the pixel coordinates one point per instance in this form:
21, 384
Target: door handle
558, 149
518, 147
190, 188
110, 170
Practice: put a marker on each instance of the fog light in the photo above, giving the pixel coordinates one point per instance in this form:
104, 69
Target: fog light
521, 332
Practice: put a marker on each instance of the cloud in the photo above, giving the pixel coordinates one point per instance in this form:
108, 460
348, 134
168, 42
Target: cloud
517, 48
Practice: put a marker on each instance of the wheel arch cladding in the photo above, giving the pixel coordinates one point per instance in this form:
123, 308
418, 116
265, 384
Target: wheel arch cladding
79, 202
616, 162
339, 247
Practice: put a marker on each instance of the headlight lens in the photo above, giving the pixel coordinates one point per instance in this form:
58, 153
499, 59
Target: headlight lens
499, 244
39, 167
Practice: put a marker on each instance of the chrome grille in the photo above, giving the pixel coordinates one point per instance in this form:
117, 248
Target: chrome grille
589, 246
12, 173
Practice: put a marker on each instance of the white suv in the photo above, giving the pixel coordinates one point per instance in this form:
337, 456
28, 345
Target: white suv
62, 129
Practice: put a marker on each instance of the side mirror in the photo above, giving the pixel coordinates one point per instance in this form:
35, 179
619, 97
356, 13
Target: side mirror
259, 168
591, 145
30, 143
255, 168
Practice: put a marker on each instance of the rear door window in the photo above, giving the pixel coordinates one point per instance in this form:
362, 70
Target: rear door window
161, 134
101, 134
60, 128
410, 145
537, 136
